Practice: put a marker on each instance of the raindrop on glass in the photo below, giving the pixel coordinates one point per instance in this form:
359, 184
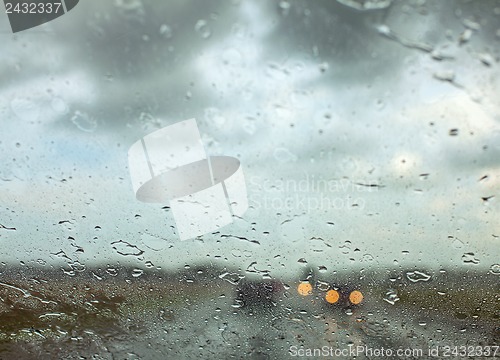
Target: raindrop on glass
202, 28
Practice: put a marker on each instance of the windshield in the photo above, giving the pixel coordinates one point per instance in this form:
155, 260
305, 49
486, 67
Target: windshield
239, 179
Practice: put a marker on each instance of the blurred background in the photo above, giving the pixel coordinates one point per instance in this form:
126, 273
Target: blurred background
368, 132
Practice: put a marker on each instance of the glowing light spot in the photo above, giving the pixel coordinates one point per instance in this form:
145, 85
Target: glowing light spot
304, 289
332, 296
356, 297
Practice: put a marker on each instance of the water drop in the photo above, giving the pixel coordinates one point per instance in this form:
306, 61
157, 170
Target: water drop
167, 314
284, 155
124, 248
323, 285
231, 57
486, 59
84, 121
416, 276
7, 227
366, 4
368, 257
232, 278
166, 31
137, 272
495, 269
112, 271
128, 4
202, 28
249, 125
323, 67
346, 247
77, 266
238, 304
59, 106
465, 36
384, 30
153, 242
391, 296
284, 7
471, 24
69, 272
457, 244
215, 117
25, 110
445, 75
373, 328
469, 258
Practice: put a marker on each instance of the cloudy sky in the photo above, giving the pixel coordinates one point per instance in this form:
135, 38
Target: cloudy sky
369, 138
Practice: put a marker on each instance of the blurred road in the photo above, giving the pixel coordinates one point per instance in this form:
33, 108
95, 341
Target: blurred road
194, 314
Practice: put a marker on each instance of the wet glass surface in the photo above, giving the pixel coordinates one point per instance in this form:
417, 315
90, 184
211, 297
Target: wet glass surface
368, 133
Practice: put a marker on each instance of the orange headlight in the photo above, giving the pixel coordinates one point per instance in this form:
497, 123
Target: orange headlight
355, 297
332, 296
304, 289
